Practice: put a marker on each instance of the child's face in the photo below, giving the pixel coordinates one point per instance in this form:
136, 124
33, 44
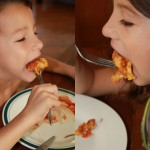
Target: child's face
129, 31
19, 43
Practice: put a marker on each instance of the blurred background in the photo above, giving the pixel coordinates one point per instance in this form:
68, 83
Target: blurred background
90, 17
56, 27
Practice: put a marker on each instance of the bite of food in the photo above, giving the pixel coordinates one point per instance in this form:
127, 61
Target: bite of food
85, 129
37, 65
124, 68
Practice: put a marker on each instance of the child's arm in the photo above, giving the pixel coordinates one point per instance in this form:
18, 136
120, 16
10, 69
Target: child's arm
96, 81
57, 66
41, 99
11, 133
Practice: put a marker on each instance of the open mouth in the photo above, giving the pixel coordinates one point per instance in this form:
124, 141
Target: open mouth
124, 68
37, 65
33, 60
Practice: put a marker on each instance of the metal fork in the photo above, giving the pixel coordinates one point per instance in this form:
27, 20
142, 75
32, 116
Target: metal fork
39, 76
94, 59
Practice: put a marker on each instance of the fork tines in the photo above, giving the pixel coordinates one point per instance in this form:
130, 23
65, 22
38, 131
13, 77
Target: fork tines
94, 59
40, 77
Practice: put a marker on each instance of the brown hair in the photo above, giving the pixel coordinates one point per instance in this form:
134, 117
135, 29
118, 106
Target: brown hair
143, 6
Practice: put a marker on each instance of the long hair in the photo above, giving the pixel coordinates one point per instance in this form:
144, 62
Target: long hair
143, 6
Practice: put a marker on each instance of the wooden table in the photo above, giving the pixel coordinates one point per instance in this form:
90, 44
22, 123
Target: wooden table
60, 80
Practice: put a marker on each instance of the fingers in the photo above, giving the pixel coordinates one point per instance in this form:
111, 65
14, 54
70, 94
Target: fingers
52, 102
47, 88
42, 98
46, 93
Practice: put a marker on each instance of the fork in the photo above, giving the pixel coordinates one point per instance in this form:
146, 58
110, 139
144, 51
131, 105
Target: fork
94, 59
39, 76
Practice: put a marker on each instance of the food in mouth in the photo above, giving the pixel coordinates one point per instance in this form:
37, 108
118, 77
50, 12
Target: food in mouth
85, 129
37, 65
124, 68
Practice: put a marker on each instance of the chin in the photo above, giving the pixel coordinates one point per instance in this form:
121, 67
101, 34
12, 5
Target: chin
29, 78
141, 82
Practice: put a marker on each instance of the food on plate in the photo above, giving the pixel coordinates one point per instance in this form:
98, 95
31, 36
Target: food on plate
64, 112
85, 129
69, 135
101, 119
37, 65
67, 102
60, 114
124, 68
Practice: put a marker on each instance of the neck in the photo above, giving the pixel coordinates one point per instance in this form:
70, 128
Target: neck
7, 89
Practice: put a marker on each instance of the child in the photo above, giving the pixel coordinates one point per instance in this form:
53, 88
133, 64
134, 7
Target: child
19, 45
128, 29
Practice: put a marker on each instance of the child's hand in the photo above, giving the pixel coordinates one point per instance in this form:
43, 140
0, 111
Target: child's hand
42, 98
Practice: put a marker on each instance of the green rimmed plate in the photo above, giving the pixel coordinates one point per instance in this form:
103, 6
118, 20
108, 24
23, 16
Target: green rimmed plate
38, 134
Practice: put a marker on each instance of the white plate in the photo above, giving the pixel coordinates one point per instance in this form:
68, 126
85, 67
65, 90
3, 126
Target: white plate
110, 134
36, 136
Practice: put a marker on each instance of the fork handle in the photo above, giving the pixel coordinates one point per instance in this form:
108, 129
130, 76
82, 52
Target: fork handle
50, 117
39, 76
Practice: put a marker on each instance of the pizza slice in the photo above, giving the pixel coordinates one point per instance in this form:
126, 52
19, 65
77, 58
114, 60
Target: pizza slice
124, 68
37, 65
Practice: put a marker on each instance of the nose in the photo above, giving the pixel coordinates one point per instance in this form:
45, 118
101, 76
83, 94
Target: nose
109, 30
37, 44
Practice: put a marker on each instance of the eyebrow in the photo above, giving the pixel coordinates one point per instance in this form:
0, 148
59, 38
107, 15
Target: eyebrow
20, 29
130, 9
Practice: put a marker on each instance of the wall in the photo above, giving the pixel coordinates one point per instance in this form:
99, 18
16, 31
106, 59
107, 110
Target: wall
90, 17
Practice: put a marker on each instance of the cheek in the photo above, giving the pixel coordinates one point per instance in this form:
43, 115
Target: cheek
141, 69
139, 55
12, 57
15, 62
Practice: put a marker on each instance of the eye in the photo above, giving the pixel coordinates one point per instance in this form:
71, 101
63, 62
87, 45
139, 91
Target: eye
35, 33
20, 40
126, 23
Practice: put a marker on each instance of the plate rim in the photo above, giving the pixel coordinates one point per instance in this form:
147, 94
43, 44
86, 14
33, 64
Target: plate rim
112, 109
5, 118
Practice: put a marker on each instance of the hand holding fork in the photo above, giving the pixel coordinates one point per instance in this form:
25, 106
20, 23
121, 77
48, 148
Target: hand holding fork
39, 76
